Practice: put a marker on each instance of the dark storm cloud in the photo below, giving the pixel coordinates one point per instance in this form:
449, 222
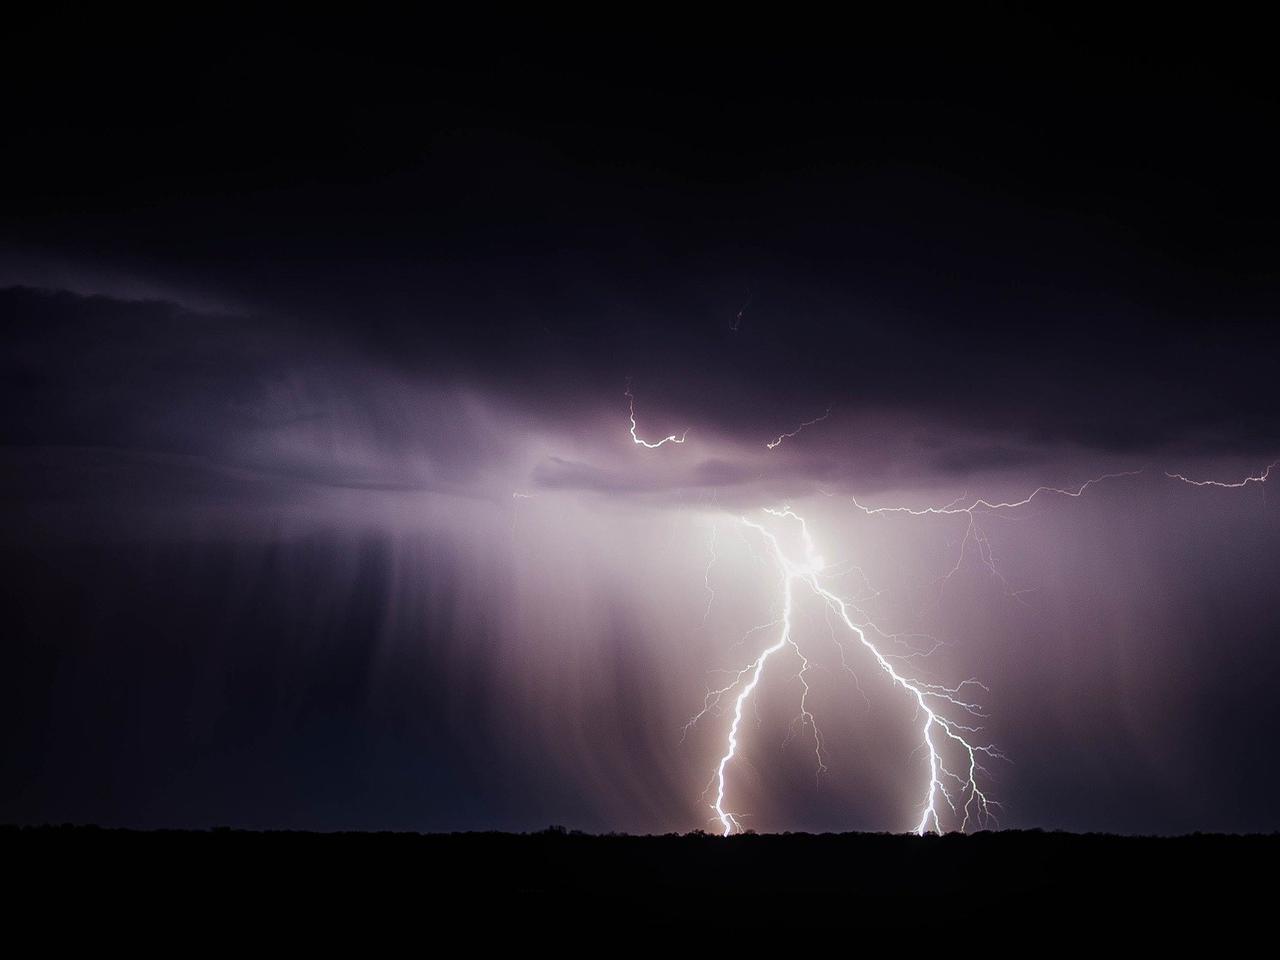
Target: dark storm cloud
1085, 264
154, 376
152, 393
162, 392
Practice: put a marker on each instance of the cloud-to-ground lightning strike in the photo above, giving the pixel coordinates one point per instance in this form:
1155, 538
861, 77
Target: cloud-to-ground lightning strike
959, 790
777, 441
949, 719
631, 406
949, 715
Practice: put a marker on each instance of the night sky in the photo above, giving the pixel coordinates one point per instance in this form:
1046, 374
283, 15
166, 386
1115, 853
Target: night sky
319, 506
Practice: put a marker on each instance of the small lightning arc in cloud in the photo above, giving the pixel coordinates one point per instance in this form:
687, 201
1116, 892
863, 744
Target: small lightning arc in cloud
777, 441
631, 406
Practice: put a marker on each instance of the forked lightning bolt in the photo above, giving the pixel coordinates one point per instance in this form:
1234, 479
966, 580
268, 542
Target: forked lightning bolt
949, 716
954, 796
948, 726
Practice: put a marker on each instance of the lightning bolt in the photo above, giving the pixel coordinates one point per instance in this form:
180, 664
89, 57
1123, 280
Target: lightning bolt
974, 532
953, 508
948, 717
948, 725
777, 441
631, 405
1260, 478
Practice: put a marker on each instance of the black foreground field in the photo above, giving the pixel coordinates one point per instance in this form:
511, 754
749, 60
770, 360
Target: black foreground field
229, 866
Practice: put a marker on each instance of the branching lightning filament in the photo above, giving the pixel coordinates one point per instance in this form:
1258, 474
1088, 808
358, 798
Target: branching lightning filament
972, 509
948, 719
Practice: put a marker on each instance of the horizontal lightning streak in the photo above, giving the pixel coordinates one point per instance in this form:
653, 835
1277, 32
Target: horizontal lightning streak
1260, 478
974, 533
952, 509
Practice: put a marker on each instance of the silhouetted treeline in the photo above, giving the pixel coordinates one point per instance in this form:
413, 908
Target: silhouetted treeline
984, 869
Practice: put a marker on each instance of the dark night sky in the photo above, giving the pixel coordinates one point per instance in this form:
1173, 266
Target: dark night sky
291, 310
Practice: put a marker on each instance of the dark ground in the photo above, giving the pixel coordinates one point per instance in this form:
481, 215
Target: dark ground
238, 869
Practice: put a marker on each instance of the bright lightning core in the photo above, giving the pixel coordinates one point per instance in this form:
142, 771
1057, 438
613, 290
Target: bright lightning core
635, 438
948, 720
948, 717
